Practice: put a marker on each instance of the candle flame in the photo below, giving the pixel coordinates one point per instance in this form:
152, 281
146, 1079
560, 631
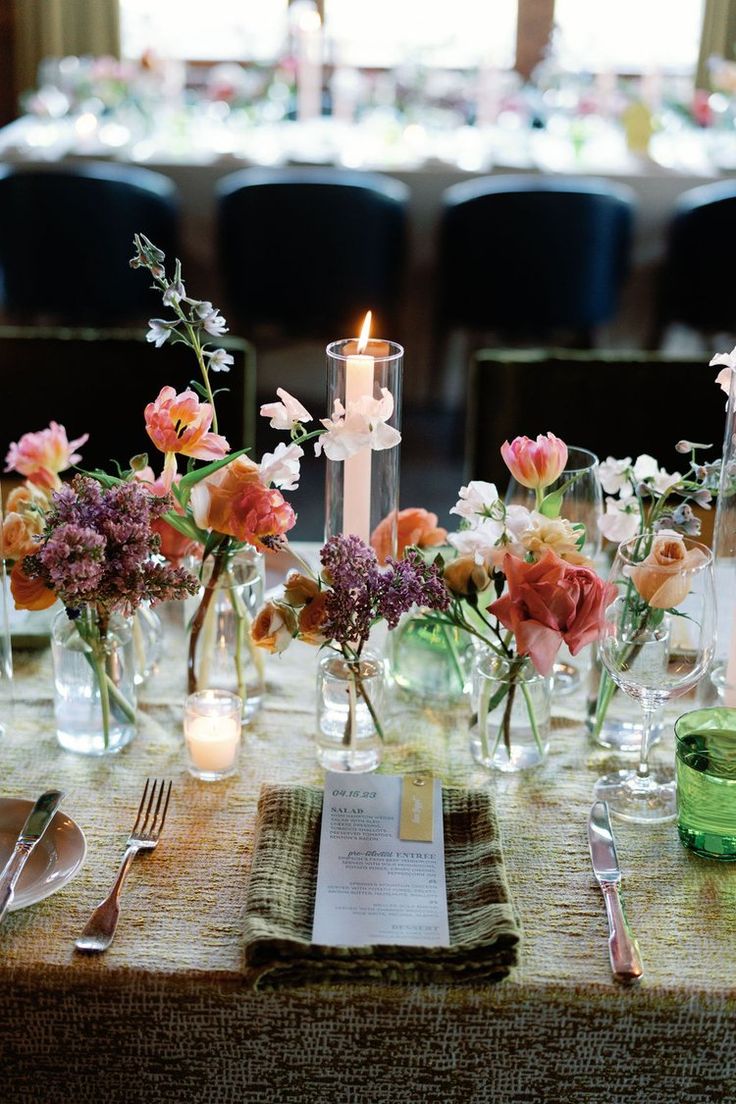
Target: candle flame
365, 333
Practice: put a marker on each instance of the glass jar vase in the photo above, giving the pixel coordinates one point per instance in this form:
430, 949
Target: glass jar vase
220, 652
94, 682
148, 633
512, 705
429, 659
349, 707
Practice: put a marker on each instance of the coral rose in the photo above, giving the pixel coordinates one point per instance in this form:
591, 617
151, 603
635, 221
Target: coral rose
233, 501
29, 594
663, 577
313, 620
535, 464
274, 627
41, 456
550, 602
465, 577
414, 526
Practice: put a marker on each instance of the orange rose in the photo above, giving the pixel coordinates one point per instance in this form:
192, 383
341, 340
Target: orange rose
234, 501
663, 577
274, 627
414, 526
299, 589
29, 594
18, 533
465, 577
27, 495
312, 620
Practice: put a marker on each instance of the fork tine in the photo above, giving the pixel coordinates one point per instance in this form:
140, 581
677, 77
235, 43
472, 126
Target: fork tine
166, 805
140, 808
152, 827
144, 827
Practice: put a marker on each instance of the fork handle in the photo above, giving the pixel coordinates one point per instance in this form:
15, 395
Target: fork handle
99, 930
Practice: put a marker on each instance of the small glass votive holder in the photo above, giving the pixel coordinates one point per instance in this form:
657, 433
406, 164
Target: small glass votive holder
212, 732
706, 781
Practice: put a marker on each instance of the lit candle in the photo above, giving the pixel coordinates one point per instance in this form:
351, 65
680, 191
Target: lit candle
356, 511
212, 727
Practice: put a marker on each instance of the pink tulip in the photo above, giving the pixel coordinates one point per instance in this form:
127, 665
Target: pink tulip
535, 464
41, 456
180, 424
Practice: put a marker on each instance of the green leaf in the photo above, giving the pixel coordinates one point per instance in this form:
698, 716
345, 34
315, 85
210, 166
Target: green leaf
192, 478
552, 504
199, 388
186, 526
102, 477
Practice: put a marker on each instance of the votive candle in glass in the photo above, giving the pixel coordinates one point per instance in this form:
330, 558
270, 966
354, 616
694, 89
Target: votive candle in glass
212, 730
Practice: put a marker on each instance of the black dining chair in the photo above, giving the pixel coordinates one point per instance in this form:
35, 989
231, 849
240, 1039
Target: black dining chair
66, 236
697, 286
528, 257
99, 382
305, 252
604, 400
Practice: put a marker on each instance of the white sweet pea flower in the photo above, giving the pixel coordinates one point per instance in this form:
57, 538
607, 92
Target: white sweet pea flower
160, 331
613, 475
220, 360
723, 379
285, 414
621, 520
475, 501
481, 542
281, 468
363, 425
646, 467
663, 480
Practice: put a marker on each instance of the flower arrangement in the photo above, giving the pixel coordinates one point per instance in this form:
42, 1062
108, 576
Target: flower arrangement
339, 607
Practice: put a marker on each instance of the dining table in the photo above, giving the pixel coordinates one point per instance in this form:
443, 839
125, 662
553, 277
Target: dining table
170, 1013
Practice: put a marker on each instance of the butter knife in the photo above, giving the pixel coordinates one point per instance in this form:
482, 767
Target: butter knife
36, 824
622, 945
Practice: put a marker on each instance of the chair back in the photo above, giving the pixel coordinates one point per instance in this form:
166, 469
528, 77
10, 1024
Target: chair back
615, 404
529, 255
66, 237
697, 280
99, 382
308, 251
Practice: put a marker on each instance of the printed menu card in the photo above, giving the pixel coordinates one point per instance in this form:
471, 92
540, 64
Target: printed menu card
381, 875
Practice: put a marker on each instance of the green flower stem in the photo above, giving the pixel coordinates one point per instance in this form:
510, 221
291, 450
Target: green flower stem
219, 561
197, 347
355, 683
483, 710
242, 637
453, 655
532, 716
98, 665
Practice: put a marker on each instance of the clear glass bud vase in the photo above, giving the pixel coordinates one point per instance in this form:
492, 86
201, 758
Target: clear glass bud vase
429, 659
512, 706
148, 633
220, 653
94, 682
349, 708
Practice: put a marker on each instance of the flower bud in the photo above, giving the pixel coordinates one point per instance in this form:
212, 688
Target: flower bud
465, 577
313, 621
683, 446
139, 462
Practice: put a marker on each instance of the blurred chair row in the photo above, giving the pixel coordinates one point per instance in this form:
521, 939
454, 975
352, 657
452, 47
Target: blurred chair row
306, 251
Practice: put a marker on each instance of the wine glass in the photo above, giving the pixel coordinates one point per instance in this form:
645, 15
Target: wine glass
657, 641
582, 504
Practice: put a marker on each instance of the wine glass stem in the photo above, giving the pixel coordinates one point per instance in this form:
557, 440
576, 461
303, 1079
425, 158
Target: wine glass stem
646, 732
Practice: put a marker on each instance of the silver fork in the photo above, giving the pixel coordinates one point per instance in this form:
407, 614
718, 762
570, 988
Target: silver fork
100, 928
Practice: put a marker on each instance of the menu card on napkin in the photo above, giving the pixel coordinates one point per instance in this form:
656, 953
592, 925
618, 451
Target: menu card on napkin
374, 887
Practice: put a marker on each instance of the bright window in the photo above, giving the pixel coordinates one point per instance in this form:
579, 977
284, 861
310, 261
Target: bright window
239, 30
628, 36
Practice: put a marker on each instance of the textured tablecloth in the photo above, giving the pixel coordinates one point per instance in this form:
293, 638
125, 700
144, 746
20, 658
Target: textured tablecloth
165, 1015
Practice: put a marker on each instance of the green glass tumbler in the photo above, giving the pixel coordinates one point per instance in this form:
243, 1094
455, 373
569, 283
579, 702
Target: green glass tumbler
706, 782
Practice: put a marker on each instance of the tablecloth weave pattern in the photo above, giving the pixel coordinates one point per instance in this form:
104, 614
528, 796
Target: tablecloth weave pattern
484, 934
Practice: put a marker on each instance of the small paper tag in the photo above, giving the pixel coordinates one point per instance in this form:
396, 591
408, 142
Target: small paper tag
417, 797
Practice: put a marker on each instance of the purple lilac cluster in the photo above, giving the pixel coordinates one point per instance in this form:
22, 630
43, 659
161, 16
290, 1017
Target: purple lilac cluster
98, 549
363, 593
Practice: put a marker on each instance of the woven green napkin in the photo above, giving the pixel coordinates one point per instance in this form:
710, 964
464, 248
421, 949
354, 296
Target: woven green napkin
484, 932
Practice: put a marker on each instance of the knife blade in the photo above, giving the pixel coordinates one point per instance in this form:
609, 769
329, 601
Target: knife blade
36, 824
623, 948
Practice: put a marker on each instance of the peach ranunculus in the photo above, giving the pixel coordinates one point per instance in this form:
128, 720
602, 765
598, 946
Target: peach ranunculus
414, 526
663, 577
552, 534
29, 594
299, 589
550, 602
41, 456
535, 464
18, 535
181, 424
233, 501
274, 627
313, 620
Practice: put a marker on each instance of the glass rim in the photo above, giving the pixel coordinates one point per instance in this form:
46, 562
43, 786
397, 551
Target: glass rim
680, 737
567, 470
215, 695
396, 353
665, 569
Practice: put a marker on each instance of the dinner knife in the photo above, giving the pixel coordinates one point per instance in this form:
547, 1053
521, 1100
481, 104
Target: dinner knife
36, 824
622, 945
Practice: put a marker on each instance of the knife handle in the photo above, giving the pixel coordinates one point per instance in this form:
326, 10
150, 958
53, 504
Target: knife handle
10, 875
622, 945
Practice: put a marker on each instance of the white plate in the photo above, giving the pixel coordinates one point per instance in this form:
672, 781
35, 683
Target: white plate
55, 859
